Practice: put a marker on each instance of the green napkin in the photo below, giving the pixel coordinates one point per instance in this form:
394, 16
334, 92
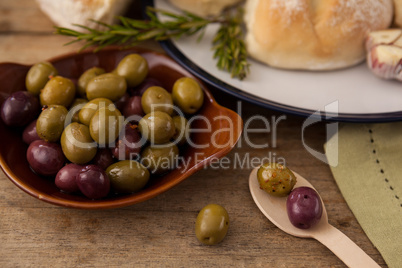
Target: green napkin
369, 175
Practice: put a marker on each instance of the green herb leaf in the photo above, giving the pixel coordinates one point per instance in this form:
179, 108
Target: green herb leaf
228, 45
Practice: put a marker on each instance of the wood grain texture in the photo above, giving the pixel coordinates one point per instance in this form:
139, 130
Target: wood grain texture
160, 232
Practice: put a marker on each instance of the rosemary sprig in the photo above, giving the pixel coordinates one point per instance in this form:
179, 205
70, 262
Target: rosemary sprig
228, 42
230, 49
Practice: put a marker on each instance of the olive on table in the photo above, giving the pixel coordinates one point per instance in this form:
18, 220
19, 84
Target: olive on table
58, 90
75, 106
157, 127
212, 224
45, 158
128, 145
29, 134
93, 182
108, 85
147, 83
19, 109
103, 158
304, 207
187, 95
90, 108
105, 125
86, 77
276, 179
157, 99
38, 75
50, 123
182, 130
77, 144
134, 68
127, 176
132, 109
66, 178
160, 158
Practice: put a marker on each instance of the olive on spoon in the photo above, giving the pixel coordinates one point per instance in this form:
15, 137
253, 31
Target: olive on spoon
274, 208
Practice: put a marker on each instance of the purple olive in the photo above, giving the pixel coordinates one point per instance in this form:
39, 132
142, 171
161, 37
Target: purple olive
19, 109
30, 135
93, 182
304, 207
148, 82
132, 109
66, 178
103, 158
122, 101
128, 146
45, 158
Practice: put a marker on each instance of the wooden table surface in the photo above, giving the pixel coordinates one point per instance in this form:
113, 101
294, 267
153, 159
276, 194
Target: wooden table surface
160, 232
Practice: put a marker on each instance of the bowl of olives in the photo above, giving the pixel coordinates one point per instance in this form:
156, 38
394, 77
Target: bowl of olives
108, 129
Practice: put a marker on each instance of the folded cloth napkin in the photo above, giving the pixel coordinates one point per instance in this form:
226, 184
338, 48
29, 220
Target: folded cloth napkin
369, 175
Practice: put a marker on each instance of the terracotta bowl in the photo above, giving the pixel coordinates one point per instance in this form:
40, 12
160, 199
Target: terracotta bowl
223, 133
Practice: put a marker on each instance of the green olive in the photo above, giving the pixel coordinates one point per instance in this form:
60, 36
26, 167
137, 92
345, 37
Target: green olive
160, 158
90, 109
127, 176
157, 99
75, 106
38, 75
157, 127
106, 125
58, 90
212, 224
134, 68
77, 144
109, 86
86, 77
181, 129
50, 123
276, 179
188, 95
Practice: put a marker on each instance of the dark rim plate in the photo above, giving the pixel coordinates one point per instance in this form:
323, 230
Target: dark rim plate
208, 78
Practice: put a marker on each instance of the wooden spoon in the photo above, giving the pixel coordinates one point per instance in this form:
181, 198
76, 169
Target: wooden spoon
274, 208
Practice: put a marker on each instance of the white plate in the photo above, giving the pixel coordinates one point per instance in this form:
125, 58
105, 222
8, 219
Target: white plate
352, 94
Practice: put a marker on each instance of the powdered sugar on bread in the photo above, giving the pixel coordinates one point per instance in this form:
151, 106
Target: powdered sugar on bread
362, 13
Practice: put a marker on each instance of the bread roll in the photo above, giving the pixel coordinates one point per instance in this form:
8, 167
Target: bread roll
204, 7
67, 12
313, 34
